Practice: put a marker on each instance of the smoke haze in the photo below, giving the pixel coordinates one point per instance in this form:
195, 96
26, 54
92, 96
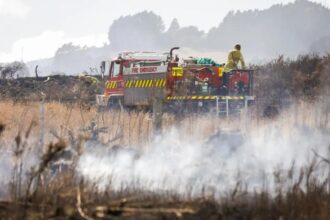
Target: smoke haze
184, 164
289, 30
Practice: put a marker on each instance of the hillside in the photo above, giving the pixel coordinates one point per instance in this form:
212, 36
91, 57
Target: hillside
280, 30
290, 30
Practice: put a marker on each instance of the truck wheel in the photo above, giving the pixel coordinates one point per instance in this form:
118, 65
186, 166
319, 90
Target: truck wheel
271, 112
115, 103
178, 108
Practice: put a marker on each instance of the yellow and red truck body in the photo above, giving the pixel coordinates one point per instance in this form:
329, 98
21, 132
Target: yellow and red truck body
136, 79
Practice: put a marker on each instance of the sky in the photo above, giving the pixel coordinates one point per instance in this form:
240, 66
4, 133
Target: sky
34, 29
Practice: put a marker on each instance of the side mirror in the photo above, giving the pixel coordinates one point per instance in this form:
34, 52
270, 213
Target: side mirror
102, 67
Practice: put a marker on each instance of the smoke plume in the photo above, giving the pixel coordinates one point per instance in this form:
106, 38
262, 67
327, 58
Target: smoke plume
216, 164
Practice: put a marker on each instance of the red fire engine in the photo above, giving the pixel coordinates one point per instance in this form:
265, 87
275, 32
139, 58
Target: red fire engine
136, 79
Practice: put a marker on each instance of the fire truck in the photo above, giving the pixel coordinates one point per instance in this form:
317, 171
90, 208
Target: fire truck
135, 79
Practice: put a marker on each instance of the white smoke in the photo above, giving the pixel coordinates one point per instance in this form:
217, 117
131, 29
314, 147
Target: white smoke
183, 162
192, 165
10, 165
5, 171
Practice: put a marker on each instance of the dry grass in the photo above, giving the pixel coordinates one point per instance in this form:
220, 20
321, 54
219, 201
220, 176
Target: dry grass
67, 196
47, 130
128, 128
60, 120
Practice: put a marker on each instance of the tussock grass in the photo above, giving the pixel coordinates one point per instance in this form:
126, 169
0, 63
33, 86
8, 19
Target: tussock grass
300, 193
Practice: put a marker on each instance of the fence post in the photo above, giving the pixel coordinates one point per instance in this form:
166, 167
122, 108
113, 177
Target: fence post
227, 107
157, 115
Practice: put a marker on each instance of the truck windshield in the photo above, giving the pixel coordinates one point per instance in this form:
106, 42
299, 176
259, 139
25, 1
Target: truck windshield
115, 69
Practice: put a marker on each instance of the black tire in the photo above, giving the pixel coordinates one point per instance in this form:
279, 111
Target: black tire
115, 103
271, 112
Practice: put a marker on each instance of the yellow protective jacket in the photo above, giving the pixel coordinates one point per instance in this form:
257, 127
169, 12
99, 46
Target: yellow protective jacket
93, 81
234, 57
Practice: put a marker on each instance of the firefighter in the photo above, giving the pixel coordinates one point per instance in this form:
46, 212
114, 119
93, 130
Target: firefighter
89, 86
90, 80
234, 58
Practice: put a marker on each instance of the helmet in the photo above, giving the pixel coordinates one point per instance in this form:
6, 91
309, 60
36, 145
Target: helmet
238, 47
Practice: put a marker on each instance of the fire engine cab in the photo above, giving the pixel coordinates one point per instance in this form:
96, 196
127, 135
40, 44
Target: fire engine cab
137, 78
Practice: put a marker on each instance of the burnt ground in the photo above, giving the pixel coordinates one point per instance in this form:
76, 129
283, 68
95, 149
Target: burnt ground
55, 88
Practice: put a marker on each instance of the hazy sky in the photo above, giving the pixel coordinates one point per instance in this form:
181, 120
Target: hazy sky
34, 29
